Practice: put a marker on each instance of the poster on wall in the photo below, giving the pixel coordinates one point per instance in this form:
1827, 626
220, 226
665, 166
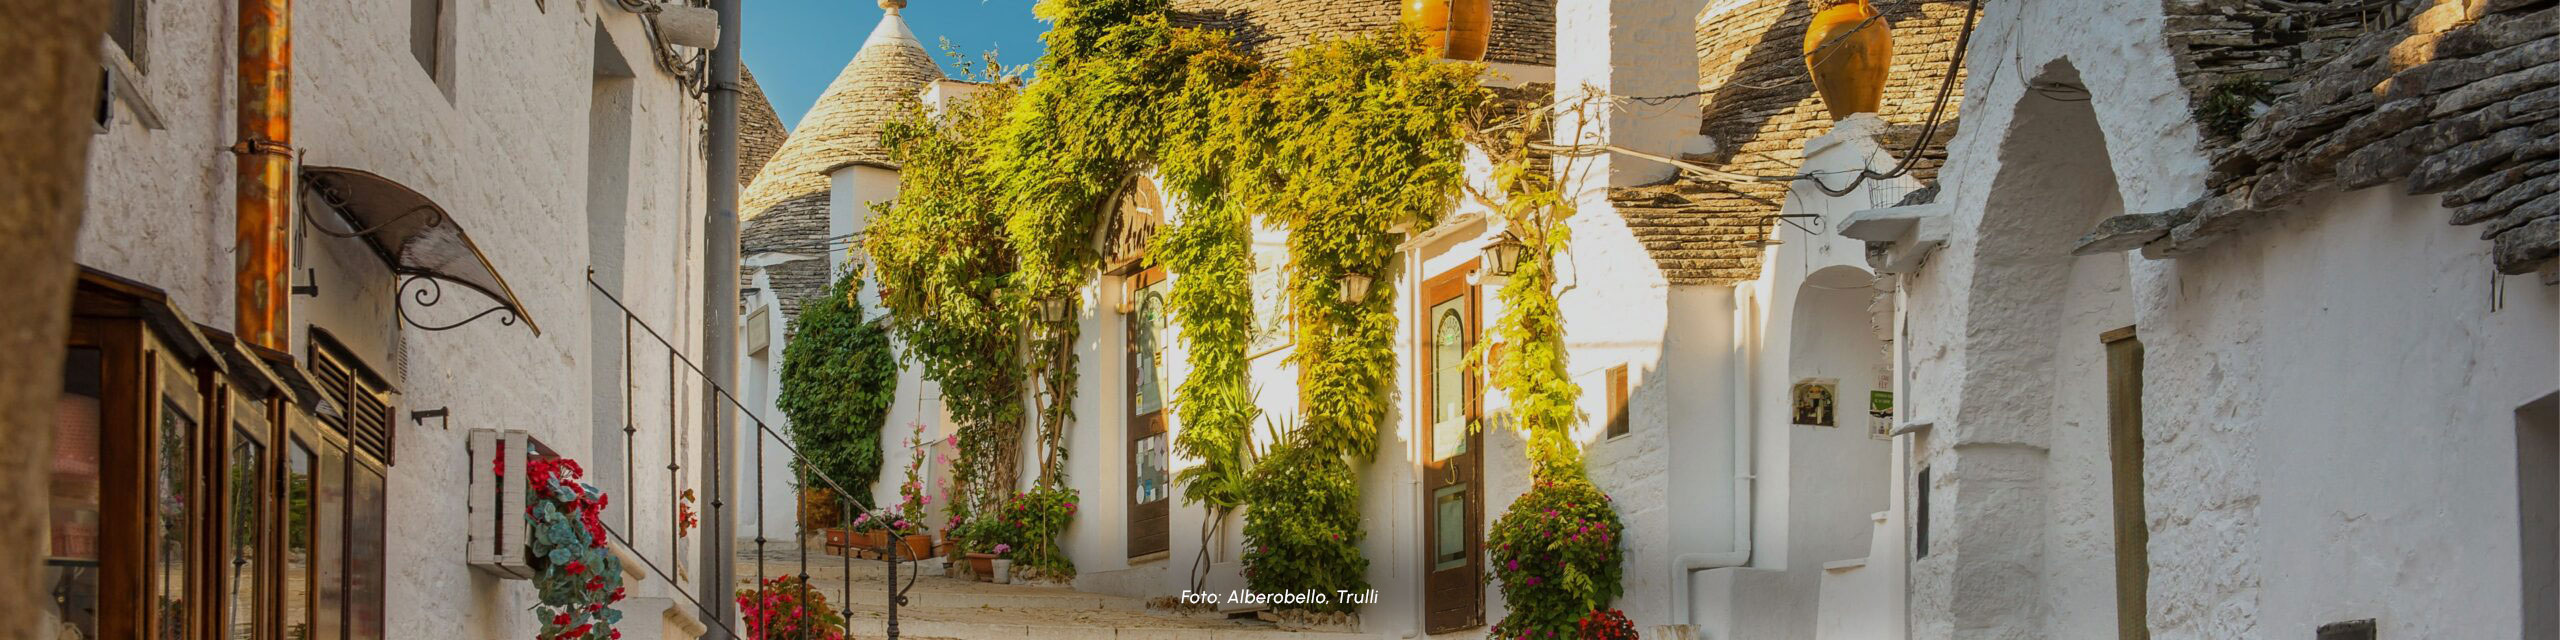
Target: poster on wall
1880, 415
1272, 326
1817, 402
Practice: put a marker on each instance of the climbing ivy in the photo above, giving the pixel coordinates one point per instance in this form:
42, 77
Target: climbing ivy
1350, 145
839, 377
1531, 370
945, 272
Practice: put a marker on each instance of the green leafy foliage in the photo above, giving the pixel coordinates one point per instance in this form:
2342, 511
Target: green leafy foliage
1303, 530
1532, 371
839, 376
1556, 553
945, 270
2232, 105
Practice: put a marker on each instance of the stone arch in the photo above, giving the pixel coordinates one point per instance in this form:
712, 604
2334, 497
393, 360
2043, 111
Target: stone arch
2023, 467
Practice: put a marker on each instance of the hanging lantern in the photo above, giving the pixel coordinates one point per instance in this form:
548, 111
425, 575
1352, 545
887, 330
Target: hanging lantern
1452, 29
1352, 288
1849, 48
1053, 309
1503, 254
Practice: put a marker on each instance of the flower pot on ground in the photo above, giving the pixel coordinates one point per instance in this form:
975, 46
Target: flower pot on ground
873, 543
1004, 570
917, 547
982, 565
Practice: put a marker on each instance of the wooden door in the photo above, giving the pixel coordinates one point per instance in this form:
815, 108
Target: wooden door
1452, 469
1150, 489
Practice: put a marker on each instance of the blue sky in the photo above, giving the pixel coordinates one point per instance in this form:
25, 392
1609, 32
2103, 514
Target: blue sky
796, 47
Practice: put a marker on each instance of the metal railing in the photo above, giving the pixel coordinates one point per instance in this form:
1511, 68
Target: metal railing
677, 364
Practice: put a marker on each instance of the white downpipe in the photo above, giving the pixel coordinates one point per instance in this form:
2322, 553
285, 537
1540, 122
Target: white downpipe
1745, 333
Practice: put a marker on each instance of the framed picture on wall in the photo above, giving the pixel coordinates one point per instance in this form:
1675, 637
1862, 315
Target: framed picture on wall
1817, 402
1880, 415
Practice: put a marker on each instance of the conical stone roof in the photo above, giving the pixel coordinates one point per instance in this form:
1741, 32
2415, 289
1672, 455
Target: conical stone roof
785, 207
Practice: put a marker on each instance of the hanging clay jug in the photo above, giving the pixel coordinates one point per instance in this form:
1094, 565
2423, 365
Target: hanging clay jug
1453, 29
1849, 48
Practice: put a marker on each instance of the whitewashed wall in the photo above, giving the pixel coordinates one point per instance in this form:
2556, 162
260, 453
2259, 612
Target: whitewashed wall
2329, 399
504, 152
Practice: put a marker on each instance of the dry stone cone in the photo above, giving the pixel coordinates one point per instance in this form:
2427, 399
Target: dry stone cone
1849, 49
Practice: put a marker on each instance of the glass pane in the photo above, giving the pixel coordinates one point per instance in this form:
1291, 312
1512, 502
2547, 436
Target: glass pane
1149, 458
364, 554
329, 615
298, 518
247, 513
1147, 346
170, 471
1448, 380
1449, 527
71, 527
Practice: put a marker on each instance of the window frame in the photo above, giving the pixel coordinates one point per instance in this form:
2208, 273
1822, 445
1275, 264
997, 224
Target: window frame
1144, 426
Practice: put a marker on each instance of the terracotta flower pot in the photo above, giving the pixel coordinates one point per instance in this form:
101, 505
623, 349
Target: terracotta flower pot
918, 547
983, 565
1453, 29
1849, 49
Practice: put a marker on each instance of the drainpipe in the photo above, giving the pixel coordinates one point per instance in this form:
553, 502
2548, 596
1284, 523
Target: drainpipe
263, 233
1746, 331
720, 320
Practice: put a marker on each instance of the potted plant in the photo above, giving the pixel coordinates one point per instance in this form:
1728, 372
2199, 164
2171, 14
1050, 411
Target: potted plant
983, 564
1002, 566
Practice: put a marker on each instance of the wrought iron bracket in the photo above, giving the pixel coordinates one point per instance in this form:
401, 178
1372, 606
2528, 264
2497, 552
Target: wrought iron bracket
440, 414
432, 294
310, 286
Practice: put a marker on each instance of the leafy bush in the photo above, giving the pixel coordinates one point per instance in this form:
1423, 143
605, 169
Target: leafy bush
1037, 518
1302, 531
839, 377
776, 611
1556, 552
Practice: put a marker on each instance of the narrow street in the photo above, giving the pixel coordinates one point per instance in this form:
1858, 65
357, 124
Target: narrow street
944, 607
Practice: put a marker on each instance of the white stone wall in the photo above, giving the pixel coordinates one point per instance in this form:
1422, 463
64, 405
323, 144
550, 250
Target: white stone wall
504, 154
2328, 404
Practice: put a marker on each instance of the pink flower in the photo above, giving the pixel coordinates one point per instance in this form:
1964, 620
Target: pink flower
1002, 547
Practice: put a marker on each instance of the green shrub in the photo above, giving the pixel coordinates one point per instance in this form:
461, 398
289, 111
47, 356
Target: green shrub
1556, 553
1302, 530
839, 377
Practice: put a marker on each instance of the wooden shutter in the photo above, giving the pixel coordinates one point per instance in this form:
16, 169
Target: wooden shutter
363, 403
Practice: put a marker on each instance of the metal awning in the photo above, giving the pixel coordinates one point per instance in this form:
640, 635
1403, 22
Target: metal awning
416, 238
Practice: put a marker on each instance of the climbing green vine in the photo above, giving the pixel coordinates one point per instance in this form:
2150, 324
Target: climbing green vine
944, 268
839, 377
1349, 146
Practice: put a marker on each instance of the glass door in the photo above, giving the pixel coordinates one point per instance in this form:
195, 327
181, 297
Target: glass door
1452, 470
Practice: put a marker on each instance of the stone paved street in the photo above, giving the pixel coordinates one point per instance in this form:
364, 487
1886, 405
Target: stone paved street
945, 607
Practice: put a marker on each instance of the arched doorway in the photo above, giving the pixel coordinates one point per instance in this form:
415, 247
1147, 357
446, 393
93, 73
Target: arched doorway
2033, 472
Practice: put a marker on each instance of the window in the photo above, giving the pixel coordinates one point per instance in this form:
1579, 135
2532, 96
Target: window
426, 34
129, 27
299, 517
1448, 379
365, 572
72, 553
173, 442
1150, 513
1617, 401
186, 503
358, 396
